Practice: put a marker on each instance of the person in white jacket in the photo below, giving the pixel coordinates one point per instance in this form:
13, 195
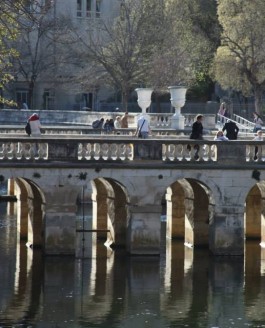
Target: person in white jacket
35, 125
34, 122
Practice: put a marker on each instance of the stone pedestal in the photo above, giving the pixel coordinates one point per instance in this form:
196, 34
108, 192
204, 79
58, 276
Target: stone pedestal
177, 121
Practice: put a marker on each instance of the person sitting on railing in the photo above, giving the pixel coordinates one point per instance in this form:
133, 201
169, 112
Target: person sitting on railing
117, 122
220, 136
109, 125
97, 124
231, 130
259, 137
35, 126
258, 122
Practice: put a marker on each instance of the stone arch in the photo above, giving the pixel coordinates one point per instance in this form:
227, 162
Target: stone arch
110, 211
254, 213
30, 212
189, 211
203, 212
120, 218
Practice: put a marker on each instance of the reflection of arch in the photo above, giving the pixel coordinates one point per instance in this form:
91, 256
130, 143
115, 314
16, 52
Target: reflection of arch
189, 211
30, 212
28, 276
25, 302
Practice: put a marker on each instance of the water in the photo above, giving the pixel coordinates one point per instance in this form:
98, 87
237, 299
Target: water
181, 288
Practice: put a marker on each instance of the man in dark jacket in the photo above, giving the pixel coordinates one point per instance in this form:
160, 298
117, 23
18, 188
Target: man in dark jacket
196, 133
231, 130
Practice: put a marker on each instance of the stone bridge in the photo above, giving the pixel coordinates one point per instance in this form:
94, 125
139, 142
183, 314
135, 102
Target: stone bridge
215, 201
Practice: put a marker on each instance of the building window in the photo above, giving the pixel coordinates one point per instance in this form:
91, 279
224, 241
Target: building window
88, 8
22, 97
79, 8
98, 7
48, 99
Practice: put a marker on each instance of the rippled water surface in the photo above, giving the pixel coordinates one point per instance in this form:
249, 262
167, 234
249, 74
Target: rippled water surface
181, 288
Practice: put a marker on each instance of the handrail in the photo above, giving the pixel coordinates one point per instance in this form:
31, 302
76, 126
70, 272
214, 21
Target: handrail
244, 121
240, 125
128, 149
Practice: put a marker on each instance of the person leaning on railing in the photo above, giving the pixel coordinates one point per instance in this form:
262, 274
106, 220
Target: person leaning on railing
231, 130
220, 136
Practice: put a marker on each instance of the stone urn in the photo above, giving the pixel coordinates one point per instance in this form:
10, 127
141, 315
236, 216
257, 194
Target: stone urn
144, 98
178, 98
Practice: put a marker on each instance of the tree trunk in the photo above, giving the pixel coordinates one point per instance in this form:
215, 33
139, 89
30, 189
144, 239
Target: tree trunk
124, 100
258, 91
30, 95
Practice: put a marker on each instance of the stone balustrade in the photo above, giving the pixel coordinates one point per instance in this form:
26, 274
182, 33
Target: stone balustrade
84, 130
65, 118
75, 149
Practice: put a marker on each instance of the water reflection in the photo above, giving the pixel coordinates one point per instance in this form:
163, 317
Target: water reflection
181, 288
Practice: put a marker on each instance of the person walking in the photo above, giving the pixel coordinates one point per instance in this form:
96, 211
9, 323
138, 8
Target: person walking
231, 130
143, 128
197, 134
98, 124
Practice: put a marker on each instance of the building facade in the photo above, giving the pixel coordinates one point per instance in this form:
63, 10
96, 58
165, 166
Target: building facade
44, 79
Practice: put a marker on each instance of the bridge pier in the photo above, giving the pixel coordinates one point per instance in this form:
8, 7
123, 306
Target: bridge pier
227, 231
60, 220
11, 192
22, 210
144, 230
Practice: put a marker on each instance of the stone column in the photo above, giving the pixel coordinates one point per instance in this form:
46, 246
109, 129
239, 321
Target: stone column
11, 192
22, 210
144, 229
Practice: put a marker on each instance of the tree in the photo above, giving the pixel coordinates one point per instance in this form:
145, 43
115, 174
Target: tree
8, 32
119, 51
151, 43
38, 54
240, 60
191, 35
